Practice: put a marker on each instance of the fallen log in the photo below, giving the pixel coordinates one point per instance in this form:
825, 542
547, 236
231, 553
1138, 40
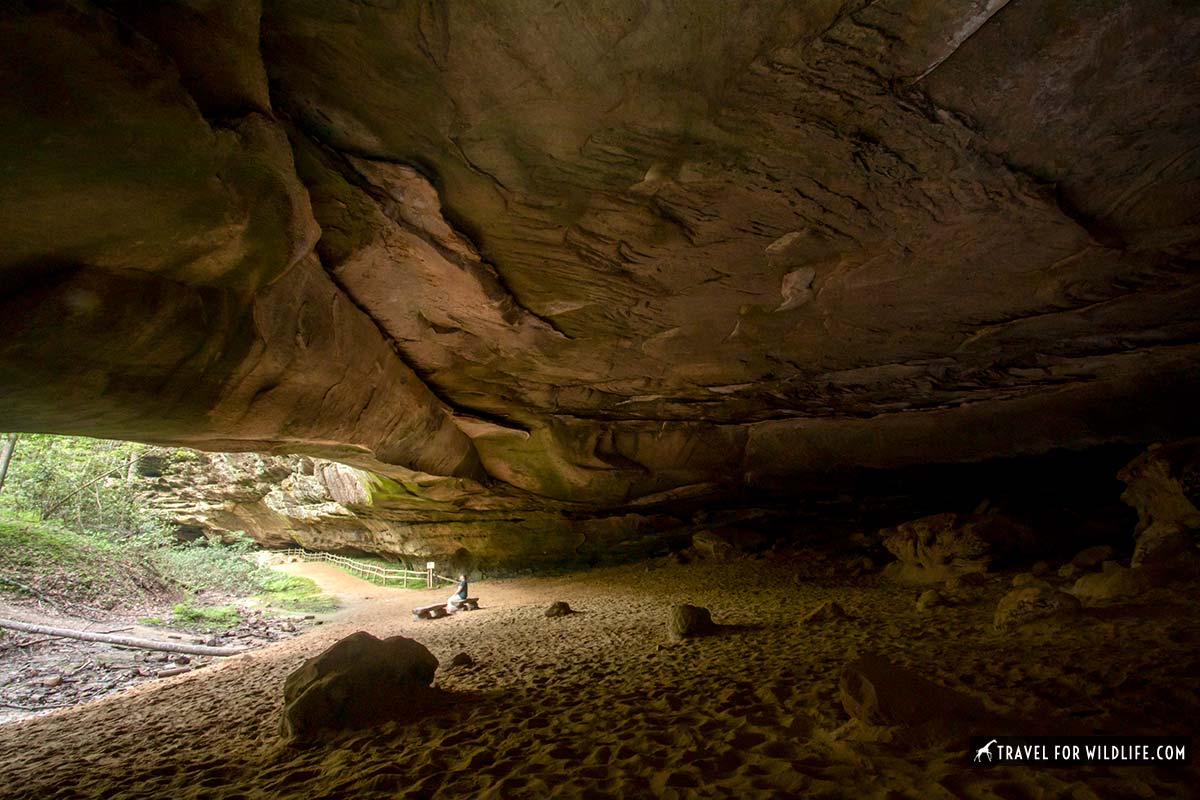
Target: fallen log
127, 641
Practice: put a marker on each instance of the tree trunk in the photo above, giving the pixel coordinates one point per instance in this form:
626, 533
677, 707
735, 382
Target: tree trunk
10, 443
124, 641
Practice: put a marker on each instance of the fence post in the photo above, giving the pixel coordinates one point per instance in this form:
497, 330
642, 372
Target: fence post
429, 565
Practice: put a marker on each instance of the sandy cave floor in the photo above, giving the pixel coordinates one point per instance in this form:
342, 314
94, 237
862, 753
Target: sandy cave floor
598, 704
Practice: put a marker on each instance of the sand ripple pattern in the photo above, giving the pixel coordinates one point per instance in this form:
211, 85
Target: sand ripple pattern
594, 705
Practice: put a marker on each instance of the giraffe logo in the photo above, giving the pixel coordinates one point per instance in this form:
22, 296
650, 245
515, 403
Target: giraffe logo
986, 750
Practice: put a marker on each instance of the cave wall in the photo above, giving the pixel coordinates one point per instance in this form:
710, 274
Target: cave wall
298, 501
582, 260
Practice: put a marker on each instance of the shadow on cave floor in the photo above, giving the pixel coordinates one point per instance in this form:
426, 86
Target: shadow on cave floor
590, 704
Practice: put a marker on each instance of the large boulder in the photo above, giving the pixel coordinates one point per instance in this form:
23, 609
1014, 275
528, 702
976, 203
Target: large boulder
1034, 603
1163, 484
1115, 584
879, 693
935, 548
358, 682
1166, 547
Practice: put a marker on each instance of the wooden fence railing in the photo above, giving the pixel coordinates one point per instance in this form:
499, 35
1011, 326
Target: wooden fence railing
370, 572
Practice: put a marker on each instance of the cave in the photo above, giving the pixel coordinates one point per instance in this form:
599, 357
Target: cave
871, 327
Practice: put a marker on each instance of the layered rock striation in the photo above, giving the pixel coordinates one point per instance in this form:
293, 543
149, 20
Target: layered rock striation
298, 501
562, 261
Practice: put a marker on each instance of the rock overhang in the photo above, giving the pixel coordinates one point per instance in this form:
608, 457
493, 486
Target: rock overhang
602, 257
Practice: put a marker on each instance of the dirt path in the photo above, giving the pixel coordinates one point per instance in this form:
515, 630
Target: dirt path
350, 591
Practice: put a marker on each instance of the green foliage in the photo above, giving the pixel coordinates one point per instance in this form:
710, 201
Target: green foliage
90, 484
206, 618
74, 530
295, 593
49, 560
204, 565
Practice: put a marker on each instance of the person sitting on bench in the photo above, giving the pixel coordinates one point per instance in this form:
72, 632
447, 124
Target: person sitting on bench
459, 595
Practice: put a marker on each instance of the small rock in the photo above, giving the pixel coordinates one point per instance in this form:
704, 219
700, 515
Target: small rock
1069, 571
929, 599
688, 620
1025, 579
1040, 568
288, 627
1033, 603
212, 641
1092, 557
960, 583
182, 659
559, 608
860, 565
53, 680
461, 660
828, 610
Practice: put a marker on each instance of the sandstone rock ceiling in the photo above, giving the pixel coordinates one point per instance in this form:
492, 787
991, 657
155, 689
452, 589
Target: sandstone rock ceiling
604, 253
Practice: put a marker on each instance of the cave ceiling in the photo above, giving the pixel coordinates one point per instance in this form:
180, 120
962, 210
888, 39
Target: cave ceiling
602, 253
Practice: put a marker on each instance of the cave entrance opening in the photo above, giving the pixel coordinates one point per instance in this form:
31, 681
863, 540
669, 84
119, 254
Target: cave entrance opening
121, 542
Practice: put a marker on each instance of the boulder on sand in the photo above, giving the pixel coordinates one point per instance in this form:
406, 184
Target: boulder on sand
461, 660
878, 693
687, 621
1033, 603
829, 610
1115, 583
1165, 546
930, 598
559, 608
358, 682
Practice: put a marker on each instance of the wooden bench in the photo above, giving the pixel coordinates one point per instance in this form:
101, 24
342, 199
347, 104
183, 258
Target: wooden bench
439, 610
